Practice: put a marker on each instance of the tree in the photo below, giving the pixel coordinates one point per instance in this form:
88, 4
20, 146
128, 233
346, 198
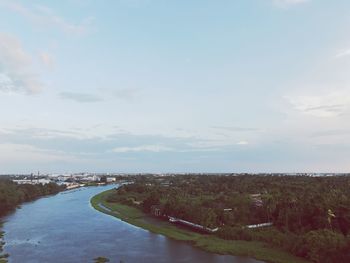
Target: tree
321, 245
152, 199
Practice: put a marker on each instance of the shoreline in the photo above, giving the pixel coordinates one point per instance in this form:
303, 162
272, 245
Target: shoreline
3, 257
208, 243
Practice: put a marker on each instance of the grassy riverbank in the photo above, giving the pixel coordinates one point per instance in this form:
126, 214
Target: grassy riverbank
134, 216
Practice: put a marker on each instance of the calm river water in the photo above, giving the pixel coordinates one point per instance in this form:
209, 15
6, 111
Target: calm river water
65, 228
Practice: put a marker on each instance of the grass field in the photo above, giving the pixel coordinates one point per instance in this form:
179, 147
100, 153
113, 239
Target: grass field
210, 243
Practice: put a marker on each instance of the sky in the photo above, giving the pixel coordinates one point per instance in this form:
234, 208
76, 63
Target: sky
174, 86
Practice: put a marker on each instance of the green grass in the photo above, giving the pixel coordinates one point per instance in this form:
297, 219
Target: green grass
210, 243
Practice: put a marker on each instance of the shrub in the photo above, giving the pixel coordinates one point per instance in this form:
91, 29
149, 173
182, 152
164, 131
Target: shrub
322, 246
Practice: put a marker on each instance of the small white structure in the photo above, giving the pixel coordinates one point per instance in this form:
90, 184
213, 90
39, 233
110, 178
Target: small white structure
110, 179
259, 225
187, 223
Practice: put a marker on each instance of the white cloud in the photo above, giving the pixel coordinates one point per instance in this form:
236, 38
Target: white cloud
143, 148
126, 94
6, 84
289, 2
329, 105
45, 16
16, 72
236, 128
207, 145
22, 153
343, 53
80, 97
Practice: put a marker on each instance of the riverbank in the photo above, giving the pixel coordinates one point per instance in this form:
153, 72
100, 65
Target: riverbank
2, 243
4, 255
209, 243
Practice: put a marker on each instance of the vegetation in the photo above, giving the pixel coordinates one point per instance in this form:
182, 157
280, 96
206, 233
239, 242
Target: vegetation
2, 243
12, 194
310, 215
101, 260
210, 243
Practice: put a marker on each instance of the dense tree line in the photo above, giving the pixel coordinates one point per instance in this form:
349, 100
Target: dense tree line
12, 194
310, 215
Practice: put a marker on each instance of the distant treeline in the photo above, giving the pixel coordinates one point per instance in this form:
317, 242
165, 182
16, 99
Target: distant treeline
12, 194
310, 215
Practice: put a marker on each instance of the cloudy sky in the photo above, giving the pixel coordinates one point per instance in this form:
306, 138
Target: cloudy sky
175, 86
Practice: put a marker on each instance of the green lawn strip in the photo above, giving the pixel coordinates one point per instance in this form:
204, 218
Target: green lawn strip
210, 243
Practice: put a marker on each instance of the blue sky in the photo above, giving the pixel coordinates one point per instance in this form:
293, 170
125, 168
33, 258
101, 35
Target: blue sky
175, 86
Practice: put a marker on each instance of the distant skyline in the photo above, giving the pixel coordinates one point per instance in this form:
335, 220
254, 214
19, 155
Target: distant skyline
175, 86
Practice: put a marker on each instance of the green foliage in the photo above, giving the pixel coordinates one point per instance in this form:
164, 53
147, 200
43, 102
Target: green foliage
208, 243
323, 246
101, 260
300, 208
276, 238
12, 194
152, 199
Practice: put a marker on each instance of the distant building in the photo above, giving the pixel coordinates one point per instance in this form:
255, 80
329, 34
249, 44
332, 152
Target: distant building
32, 181
92, 178
110, 179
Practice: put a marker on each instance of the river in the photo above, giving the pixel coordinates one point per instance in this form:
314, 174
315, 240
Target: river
65, 228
